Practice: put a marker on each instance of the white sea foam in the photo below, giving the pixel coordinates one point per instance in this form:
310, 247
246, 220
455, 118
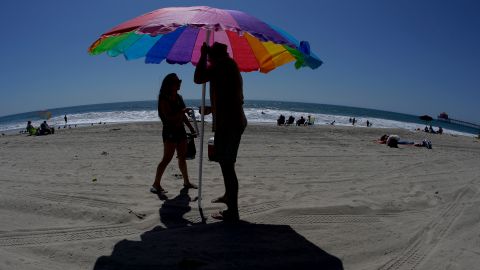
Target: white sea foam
270, 116
254, 115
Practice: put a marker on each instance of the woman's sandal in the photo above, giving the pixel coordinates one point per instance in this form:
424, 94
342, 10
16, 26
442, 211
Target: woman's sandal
158, 190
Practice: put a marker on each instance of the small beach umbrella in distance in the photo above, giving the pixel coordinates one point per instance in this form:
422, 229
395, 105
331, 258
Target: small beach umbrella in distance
426, 118
176, 34
45, 115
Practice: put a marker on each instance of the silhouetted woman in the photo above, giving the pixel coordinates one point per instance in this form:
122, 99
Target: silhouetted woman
171, 110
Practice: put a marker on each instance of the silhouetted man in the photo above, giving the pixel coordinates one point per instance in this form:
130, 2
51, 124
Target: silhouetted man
229, 121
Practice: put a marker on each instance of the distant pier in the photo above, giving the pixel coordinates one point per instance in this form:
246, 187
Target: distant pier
459, 122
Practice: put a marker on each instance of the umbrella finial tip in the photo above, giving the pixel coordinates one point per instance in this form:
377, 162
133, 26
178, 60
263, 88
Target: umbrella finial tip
305, 47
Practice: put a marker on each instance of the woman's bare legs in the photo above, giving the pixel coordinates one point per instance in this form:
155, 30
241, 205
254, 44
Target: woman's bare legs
182, 163
168, 151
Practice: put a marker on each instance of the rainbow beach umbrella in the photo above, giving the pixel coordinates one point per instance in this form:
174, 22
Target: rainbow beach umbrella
176, 34
44, 114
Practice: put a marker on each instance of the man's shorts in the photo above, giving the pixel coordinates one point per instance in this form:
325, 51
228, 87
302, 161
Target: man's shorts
226, 146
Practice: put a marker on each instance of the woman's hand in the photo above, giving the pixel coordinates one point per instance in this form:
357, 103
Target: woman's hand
190, 112
207, 111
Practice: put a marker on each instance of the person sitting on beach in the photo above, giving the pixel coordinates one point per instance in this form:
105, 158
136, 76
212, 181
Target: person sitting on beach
290, 120
301, 121
45, 129
430, 129
31, 129
426, 129
394, 141
171, 110
310, 120
281, 120
440, 130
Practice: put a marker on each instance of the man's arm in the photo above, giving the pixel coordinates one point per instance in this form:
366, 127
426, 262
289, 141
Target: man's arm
201, 72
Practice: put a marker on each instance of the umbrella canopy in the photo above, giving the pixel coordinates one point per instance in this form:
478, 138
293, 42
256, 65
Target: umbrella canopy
176, 35
45, 114
426, 118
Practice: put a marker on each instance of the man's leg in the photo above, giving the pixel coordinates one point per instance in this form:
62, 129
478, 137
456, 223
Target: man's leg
231, 187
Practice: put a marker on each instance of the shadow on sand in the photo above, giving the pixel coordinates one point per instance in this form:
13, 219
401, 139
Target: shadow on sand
186, 245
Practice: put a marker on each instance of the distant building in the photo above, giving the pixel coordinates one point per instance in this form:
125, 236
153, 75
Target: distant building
443, 115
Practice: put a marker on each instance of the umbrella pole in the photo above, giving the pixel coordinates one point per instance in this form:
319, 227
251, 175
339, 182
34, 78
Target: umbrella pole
202, 133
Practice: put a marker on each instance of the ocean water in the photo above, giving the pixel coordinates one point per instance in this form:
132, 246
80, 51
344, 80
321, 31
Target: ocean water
255, 110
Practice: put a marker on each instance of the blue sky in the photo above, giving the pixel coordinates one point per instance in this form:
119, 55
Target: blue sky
416, 57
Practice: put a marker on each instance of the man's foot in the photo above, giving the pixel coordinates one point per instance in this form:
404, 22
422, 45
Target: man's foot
157, 190
226, 216
190, 185
220, 200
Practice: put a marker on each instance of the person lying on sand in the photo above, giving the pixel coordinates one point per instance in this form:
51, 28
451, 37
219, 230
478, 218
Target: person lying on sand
394, 141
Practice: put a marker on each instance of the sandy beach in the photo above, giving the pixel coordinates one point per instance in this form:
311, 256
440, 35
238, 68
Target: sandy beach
310, 198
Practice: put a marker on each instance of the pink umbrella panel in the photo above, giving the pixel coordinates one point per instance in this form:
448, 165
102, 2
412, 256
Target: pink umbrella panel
177, 34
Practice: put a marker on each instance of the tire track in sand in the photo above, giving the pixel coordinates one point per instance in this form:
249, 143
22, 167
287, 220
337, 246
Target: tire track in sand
71, 199
40, 237
431, 235
46, 236
317, 219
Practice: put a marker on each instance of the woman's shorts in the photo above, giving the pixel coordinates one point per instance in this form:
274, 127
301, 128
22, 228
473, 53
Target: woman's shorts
175, 136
